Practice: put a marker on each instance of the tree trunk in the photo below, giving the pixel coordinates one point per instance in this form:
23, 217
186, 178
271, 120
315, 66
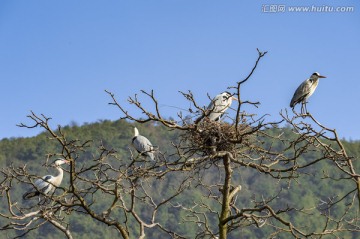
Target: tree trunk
225, 209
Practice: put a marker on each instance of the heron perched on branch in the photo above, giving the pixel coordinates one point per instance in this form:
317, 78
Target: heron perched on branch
219, 105
142, 145
48, 183
305, 90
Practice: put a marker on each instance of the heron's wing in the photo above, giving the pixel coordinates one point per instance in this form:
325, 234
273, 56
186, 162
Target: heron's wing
43, 184
137, 144
301, 92
142, 144
213, 108
218, 106
211, 105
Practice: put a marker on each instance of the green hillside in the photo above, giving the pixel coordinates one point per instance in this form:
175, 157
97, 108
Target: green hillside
308, 191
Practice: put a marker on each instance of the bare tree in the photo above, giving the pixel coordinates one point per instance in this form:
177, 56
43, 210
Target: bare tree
126, 185
209, 161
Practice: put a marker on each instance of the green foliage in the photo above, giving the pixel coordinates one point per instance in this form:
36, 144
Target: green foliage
307, 192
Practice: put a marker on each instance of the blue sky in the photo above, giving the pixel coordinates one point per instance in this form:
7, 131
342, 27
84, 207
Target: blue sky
58, 57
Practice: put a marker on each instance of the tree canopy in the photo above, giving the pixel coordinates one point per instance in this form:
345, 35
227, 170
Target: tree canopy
242, 176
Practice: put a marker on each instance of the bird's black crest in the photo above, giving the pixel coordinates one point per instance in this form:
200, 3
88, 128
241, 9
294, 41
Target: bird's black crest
227, 96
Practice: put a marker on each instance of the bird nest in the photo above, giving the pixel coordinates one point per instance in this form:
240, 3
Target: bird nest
210, 137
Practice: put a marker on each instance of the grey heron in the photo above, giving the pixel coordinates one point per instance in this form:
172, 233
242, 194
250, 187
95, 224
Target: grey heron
142, 145
48, 183
305, 90
219, 105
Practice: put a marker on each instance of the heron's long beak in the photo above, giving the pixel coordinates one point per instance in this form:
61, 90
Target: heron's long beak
322, 76
67, 161
234, 98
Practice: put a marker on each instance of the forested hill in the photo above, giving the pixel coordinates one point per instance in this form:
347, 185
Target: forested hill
112, 134
117, 135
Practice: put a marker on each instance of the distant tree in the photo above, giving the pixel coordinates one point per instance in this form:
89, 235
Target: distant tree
197, 189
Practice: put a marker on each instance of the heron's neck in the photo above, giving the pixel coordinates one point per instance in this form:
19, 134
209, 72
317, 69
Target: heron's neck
315, 82
59, 176
314, 79
136, 132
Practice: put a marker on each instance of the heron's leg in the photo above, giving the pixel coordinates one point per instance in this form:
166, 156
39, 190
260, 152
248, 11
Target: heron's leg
41, 201
302, 108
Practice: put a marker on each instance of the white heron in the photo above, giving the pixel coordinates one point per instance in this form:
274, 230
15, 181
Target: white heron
142, 145
219, 105
48, 183
305, 90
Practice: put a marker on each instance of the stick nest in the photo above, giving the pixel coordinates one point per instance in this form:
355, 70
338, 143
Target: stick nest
212, 136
